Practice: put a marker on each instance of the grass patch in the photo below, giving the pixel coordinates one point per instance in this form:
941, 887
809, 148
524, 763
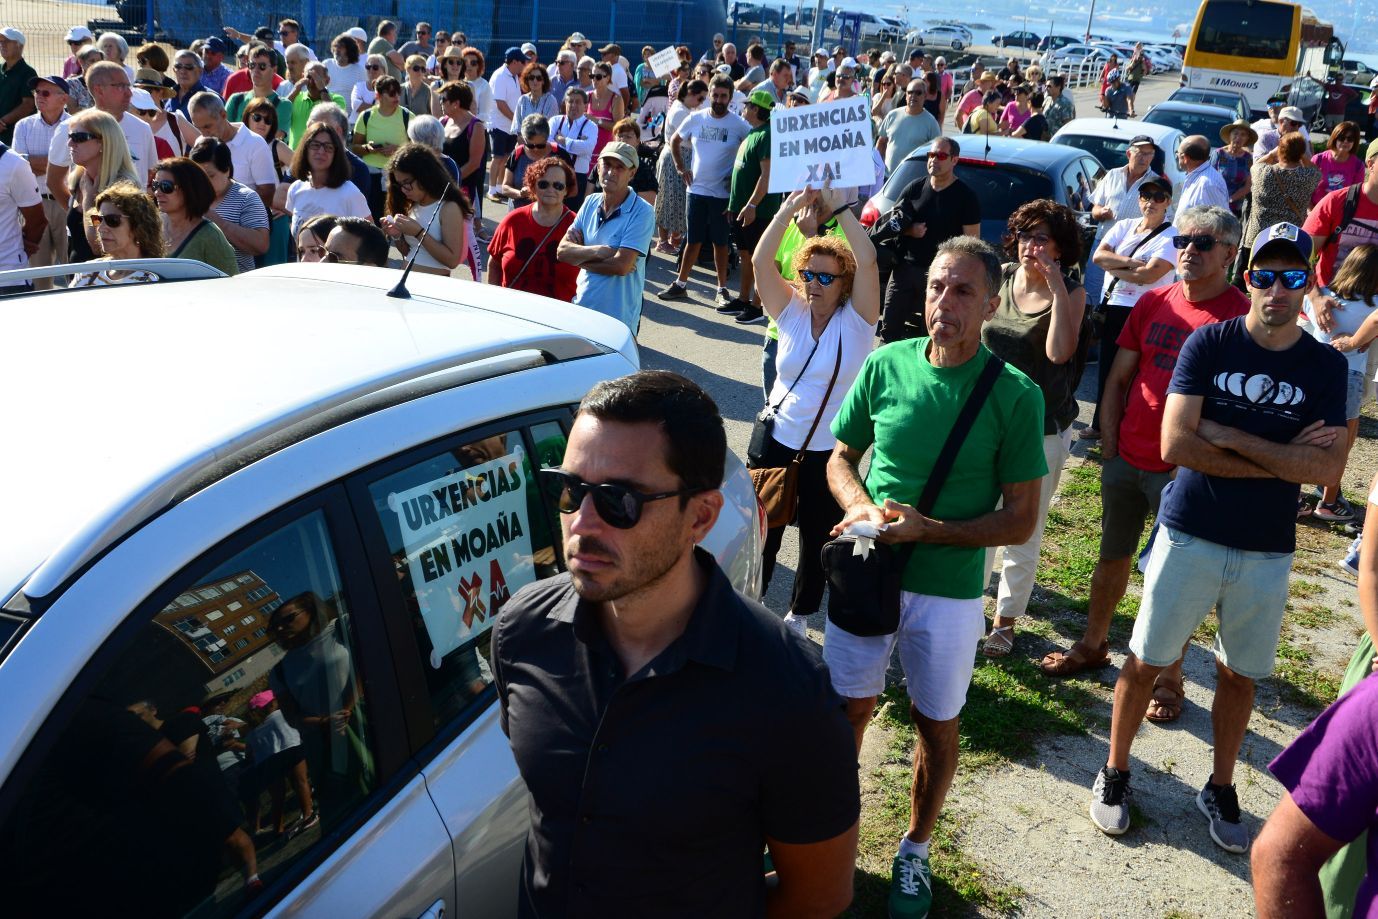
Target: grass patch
1312, 616
1298, 681
1304, 589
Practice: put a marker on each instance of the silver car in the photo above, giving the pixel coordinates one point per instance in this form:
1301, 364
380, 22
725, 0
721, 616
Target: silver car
256, 534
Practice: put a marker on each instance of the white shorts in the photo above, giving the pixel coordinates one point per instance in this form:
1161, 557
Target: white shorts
937, 639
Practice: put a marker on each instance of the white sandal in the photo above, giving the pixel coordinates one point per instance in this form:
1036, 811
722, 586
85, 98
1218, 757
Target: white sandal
999, 643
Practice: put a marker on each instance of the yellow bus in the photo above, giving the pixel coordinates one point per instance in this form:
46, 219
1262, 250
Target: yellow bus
1260, 48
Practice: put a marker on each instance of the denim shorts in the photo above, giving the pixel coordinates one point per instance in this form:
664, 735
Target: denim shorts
1354, 395
1186, 577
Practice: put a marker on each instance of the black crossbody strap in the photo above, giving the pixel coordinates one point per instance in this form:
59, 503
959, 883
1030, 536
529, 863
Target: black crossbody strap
812, 351
823, 406
1115, 282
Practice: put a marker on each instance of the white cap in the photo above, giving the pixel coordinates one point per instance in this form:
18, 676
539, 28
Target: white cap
79, 33
848, 63
723, 68
142, 100
357, 34
528, 48
12, 34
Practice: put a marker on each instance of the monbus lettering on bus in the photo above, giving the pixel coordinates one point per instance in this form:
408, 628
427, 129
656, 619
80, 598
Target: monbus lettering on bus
1232, 83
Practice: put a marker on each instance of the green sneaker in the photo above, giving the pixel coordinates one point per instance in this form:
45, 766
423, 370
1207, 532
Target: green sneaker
911, 888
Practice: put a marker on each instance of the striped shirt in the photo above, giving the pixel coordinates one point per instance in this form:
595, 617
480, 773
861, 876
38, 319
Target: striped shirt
243, 207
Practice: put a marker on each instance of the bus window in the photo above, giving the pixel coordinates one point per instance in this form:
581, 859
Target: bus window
1257, 30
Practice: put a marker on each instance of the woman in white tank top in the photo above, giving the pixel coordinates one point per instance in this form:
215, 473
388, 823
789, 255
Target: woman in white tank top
418, 187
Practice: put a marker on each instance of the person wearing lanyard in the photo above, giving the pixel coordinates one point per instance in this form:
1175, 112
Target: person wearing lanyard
576, 134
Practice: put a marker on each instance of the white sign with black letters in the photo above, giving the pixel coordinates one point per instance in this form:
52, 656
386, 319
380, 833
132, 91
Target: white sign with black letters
827, 142
664, 63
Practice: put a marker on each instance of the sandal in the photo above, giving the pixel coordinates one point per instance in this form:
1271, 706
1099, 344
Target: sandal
999, 642
1167, 702
1075, 659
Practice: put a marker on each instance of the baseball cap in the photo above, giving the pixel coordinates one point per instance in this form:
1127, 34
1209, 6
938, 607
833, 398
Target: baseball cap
513, 54
916, 54
1162, 183
725, 69
1372, 150
261, 699
1288, 234
528, 48
357, 33
217, 44
820, 52
1292, 113
1139, 140
837, 49
12, 34
56, 81
848, 63
78, 33
762, 99
141, 100
610, 48
624, 153
567, 55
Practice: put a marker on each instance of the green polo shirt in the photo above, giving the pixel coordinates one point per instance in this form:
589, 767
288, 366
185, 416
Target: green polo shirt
754, 150
14, 89
235, 105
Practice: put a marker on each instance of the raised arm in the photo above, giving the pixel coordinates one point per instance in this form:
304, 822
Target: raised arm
866, 284
775, 291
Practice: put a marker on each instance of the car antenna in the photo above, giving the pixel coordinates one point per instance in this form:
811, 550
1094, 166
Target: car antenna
399, 290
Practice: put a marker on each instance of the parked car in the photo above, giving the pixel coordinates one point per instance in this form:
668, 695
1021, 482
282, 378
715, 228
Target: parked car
1163, 59
1191, 118
1106, 140
1018, 39
1004, 172
1072, 57
1233, 101
750, 12
868, 27
1053, 42
291, 487
940, 37
1357, 71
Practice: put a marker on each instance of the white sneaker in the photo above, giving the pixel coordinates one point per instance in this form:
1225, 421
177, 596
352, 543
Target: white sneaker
797, 624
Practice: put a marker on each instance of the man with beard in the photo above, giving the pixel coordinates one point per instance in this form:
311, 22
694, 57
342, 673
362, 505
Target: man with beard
664, 724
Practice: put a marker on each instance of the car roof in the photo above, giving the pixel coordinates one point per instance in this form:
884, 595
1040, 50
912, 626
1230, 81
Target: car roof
1117, 127
1196, 108
125, 399
1014, 151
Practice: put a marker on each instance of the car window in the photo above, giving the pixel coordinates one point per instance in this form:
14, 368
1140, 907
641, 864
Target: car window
1188, 123
1001, 189
466, 526
228, 735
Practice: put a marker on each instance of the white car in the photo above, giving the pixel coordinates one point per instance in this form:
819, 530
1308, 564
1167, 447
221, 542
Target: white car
1072, 57
1107, 138
940, 37
257, 531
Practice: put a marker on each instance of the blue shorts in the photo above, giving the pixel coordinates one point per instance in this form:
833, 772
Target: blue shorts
706, 220
1186, 577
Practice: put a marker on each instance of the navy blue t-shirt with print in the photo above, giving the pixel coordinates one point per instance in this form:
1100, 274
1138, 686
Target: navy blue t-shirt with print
1270, 394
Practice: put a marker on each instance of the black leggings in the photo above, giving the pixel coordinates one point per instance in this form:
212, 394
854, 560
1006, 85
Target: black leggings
1115, 319
818, 513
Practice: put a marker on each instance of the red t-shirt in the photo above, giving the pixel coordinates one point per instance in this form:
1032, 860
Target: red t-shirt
513, 243
1323, 220
1157, 328
241, 82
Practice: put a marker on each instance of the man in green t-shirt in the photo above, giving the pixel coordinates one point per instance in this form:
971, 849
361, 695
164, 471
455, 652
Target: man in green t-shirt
903, 403
749, 207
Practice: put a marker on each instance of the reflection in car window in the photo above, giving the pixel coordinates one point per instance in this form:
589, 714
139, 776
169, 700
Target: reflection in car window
465, 529
200, 767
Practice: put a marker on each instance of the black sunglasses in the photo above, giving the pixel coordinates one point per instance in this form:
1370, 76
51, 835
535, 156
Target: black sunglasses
619, 506
1264, 278
114, 221
166, 186
1159, 196
544, 184
261, 65
81, 137
1204, 242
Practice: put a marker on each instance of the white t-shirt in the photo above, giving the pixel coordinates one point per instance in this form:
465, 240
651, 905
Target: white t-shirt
18, 188
714, 142
343, 77
252, 158
577, 137
1122, 237
619, 76
506, 88
483, 99
137, 134
273, 736
305, 202
794, 413
360, 98
1349, 315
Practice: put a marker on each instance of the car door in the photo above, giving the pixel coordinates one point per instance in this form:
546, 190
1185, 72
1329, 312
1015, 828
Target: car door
234, 746
452, 530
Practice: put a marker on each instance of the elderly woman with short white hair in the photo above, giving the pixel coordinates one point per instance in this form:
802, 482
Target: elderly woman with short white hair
362, 96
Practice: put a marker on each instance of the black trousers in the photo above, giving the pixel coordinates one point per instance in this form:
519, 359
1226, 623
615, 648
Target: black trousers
1115, 319
902, 316
818, 513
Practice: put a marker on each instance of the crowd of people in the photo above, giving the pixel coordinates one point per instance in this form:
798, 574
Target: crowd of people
1233, 315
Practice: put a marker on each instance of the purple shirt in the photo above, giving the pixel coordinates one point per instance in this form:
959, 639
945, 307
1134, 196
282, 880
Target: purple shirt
1335, 176
214, 80
1331, 771
1012, 117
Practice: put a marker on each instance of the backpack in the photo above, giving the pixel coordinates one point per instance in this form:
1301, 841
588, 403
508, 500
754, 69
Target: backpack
363, 119
1351, 207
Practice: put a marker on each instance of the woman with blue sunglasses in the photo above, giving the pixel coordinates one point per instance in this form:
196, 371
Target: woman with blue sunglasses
827, 320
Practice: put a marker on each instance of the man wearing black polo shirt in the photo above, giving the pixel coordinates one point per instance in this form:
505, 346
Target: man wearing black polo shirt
665, 725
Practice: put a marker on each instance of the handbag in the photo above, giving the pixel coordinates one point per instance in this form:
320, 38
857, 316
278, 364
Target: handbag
864, 590
777, 487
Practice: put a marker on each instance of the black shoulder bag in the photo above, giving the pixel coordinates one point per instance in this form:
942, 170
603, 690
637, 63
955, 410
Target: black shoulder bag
1098, 313
864, 593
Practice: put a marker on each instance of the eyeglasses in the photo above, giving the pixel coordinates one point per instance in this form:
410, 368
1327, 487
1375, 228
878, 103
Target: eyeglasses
619, 506
373, 67
1158, 196
260, 65
1040, 239
1264, 278
321, 146
940, 156
81, 137
543, 185
406, 184
418, 69
1204, 241
183, 66
825, 278
262, 119
334, 258
166, 186
113, 221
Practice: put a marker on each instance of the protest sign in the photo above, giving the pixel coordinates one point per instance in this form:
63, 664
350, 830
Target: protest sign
813, 144
664, 63
468, 546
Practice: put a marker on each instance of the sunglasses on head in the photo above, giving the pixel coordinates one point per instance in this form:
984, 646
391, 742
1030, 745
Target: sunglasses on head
619, 506
825, 278
1158, 196
1264, 278
1204, 242
81, 137
544, 184
166, 186
113, 221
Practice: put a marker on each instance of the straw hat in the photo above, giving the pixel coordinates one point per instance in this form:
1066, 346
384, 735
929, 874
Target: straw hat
1230, 128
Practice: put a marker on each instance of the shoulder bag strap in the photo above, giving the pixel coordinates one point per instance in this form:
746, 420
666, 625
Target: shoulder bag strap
822, 406
947, 457
797, 378
530, 258
1115, 282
